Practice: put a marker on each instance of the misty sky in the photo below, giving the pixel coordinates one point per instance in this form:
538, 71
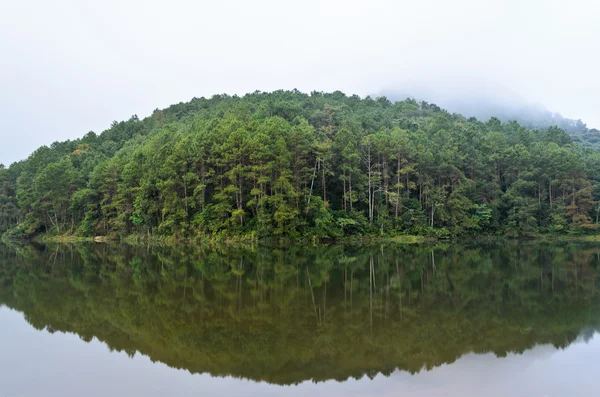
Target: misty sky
68, 67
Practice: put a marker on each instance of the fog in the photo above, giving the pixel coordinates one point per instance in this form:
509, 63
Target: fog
68, 67
491, 103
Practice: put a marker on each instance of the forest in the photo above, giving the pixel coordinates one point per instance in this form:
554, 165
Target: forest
291, 165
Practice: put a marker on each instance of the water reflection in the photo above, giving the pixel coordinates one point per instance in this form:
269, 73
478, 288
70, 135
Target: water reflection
316, 314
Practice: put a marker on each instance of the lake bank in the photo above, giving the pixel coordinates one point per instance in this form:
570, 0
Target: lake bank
252, 241
232, 240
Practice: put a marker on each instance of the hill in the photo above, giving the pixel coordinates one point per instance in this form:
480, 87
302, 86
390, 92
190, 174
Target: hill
295, 165
506, 108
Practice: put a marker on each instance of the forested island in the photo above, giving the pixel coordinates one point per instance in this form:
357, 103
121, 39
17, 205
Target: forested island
292, 165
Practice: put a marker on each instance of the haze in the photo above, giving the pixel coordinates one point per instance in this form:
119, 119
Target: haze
68, 67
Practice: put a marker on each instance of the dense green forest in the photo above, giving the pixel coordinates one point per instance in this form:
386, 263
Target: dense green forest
316, 313
293, 165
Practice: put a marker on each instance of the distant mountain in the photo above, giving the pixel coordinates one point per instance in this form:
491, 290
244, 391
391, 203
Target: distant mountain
505, 108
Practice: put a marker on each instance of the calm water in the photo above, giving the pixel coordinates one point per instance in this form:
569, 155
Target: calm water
493, 319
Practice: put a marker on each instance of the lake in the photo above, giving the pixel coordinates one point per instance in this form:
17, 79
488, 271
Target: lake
485, 318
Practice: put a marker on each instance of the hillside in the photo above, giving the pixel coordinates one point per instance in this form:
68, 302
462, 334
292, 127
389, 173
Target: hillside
319, 165
484, 106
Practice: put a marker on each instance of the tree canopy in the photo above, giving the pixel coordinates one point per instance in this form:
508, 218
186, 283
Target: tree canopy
292, 165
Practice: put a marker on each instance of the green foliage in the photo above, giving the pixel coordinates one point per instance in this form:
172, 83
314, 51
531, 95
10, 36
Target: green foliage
481, 216
26, 229
291, 165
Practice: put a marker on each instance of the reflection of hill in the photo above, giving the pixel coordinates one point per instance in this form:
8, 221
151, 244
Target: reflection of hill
251, 313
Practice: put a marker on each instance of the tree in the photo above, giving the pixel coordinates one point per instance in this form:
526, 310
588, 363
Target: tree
298, 165
53, 188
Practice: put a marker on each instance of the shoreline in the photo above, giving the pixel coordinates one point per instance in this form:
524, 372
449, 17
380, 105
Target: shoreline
251, 241
173, 241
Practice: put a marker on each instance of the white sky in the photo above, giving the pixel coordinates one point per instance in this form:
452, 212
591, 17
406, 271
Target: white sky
68, 67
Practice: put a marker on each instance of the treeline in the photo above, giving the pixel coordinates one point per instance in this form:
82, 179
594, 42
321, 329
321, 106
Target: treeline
292, 165
530, 115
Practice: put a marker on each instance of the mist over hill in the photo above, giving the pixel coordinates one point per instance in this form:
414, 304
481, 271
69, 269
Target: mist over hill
503, 106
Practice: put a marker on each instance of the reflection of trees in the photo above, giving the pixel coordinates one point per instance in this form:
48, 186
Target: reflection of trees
327, 312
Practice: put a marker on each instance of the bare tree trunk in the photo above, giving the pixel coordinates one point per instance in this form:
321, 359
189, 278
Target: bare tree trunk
202, 180
344, 195
185, 197
56, 222
241, 200
573, 202
350, 191
369, 187
312, 183
398, 188
324, 185
386, 184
